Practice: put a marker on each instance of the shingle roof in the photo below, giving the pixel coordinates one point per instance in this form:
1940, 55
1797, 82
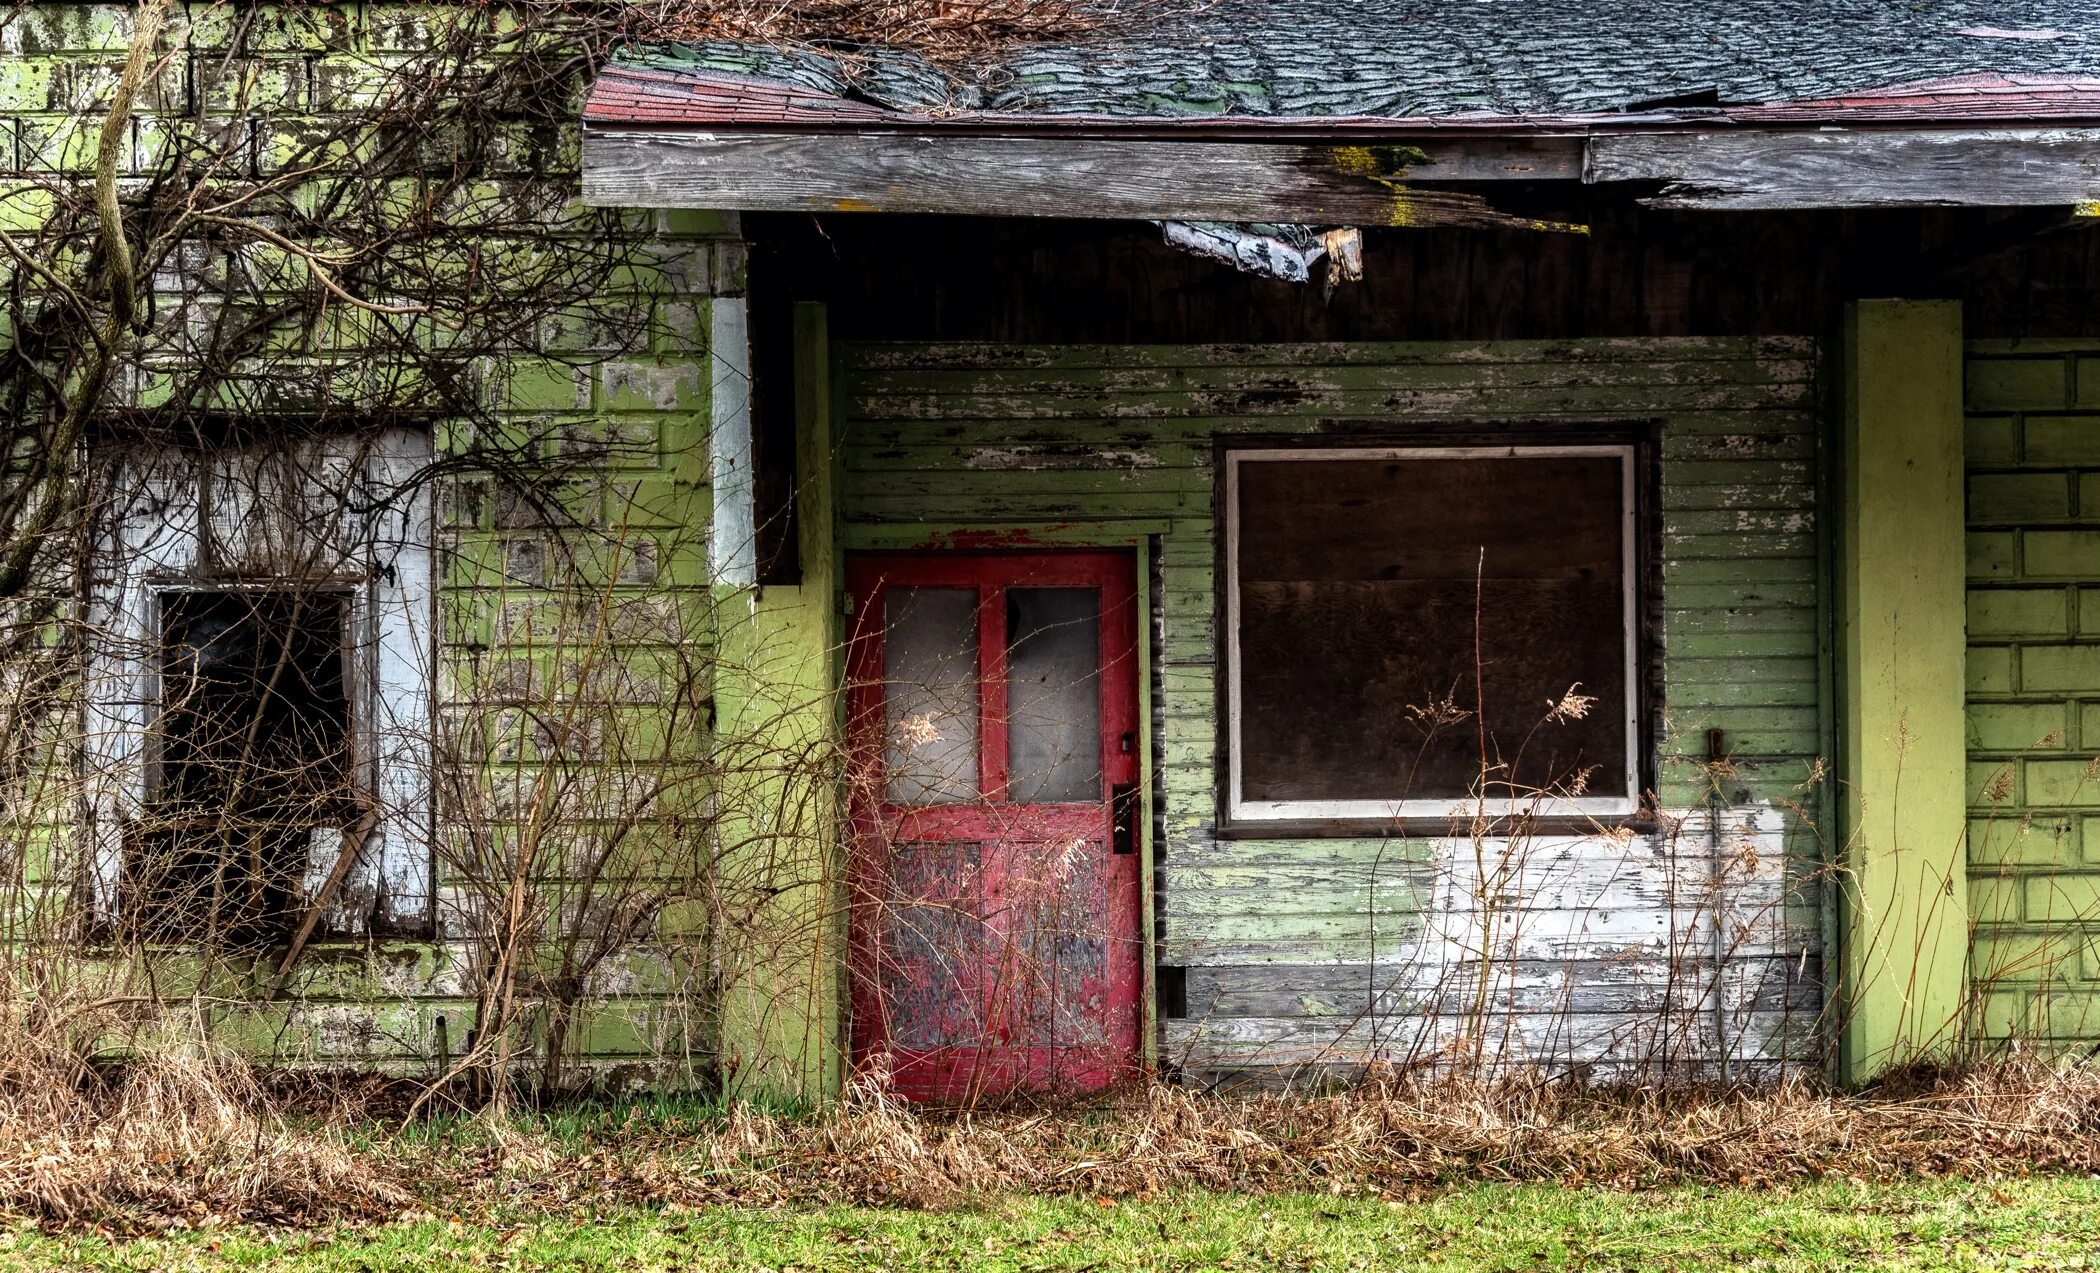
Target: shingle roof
1427, 60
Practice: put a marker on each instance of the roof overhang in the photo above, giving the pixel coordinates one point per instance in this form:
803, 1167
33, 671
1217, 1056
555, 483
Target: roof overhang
722, 141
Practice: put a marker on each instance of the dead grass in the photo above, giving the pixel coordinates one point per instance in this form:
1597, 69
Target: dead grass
1387, 1137
190, 1136
184, 1134
941, 30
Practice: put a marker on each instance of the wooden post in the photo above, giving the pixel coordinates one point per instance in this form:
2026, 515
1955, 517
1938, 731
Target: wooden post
780, 948
1904, 929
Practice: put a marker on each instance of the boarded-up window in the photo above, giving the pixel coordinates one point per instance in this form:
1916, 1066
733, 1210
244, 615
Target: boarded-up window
1412, 627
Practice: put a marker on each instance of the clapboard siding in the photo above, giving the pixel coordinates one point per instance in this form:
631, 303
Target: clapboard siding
1280, 936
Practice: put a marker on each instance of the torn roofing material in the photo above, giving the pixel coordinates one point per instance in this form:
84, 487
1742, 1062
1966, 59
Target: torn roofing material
1420, 61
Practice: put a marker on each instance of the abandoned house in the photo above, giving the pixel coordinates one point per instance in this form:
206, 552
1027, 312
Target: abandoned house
1275, 539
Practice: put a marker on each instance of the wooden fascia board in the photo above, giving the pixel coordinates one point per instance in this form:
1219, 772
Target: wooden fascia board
1857, 168
1059, 176
1334, 184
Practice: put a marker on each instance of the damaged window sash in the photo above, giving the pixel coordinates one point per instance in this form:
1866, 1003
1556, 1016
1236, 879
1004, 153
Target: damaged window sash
260, 687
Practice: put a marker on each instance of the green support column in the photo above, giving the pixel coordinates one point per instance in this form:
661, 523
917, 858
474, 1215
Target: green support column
780, 945
1904, 927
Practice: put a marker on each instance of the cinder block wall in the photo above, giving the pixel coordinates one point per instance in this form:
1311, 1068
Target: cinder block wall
2033, 469
601, 610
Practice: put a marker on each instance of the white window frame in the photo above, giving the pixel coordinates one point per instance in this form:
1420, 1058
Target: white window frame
1240, 810
152, 546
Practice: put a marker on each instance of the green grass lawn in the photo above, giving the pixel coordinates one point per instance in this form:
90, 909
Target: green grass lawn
2042, 1223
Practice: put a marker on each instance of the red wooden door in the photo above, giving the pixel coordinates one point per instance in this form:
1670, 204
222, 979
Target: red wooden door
992, 709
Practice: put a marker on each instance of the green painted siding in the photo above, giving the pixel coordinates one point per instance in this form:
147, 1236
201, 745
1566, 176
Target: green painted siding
2033, 470
1289, 942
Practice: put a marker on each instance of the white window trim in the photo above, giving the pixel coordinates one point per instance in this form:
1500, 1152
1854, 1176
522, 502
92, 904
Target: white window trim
153, 548
1241, 810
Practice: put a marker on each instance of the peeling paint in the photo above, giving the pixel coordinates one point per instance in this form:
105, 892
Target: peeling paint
1033, 459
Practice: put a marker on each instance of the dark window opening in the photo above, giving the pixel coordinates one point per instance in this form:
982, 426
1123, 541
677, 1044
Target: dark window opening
1424, 625
254, 762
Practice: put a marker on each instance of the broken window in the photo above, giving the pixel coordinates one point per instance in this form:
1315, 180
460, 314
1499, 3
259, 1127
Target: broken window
260, 685
1412, 628
255, 759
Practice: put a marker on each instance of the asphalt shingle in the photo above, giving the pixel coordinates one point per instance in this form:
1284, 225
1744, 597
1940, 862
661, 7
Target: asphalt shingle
1428, 59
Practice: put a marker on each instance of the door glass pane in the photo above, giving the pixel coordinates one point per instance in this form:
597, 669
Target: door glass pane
929, 698
1053, 668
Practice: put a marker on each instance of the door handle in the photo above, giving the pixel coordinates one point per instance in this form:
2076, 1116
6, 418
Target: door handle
1122, 817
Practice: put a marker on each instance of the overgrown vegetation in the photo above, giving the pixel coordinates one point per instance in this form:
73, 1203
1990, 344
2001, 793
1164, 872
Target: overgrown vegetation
193, 1138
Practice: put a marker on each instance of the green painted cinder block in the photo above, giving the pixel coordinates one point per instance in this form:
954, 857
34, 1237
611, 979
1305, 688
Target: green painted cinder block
2072, 1014
1997, 899
2061, 783
2014, 384
2016, 840
2089, 495
2062, 439
2002, 612
67, 28
1992, 555
2060, 897
2029, 956
26, 84
1992, 440
528, 386
2069, 554
2019, 726
2060, 668
1989, 669
2019, 497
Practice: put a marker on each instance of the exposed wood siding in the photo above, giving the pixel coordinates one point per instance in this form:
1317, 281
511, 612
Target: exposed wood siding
1289, 941
2033, 467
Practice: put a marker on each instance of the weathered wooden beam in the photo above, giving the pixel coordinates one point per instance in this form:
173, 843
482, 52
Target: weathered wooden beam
1181, 180
1188, 179
1758, 171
